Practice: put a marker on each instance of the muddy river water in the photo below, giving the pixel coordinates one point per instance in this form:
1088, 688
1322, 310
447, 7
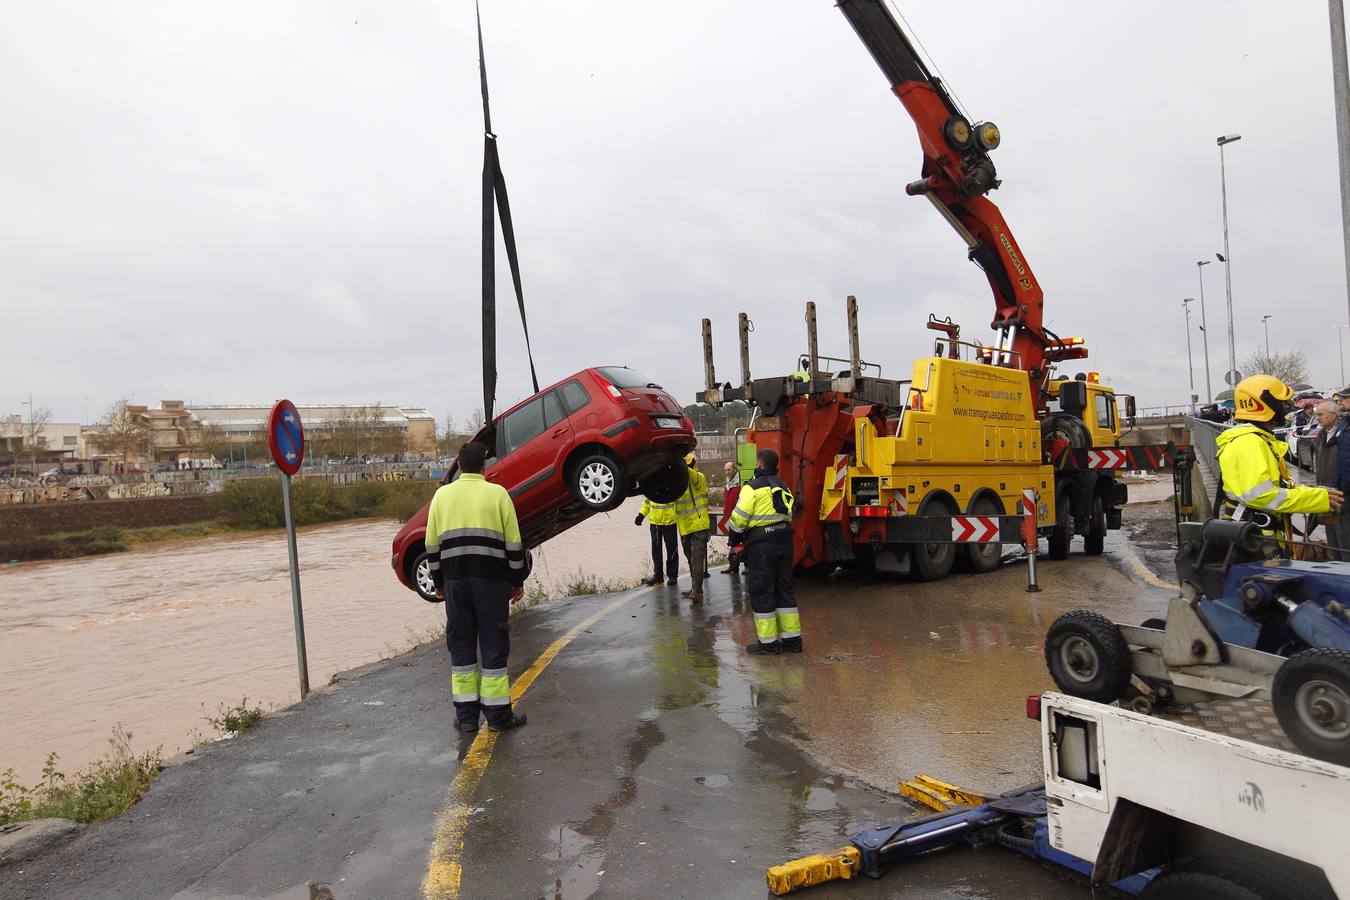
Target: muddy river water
159, 638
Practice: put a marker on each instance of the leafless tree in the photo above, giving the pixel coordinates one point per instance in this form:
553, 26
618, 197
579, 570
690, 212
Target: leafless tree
1291, 367
122, 432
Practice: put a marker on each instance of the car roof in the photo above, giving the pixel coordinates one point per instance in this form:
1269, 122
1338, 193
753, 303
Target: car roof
561, 381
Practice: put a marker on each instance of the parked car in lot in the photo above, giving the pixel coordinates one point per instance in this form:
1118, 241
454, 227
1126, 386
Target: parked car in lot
576, 448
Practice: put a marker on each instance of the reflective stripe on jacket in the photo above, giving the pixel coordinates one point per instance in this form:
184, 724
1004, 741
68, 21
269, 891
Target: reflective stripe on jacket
1254, 474
472, 532
764, 503
658, 513
691, 510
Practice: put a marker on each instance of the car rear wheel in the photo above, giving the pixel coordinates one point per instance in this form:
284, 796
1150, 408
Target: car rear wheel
419, 573
597, 483
667, 483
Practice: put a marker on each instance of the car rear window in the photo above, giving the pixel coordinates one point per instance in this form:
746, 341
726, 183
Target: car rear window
624, 378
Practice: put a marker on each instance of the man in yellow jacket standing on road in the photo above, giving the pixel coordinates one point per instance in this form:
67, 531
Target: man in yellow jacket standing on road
665, 536
478, 563
1254, 480
691, 515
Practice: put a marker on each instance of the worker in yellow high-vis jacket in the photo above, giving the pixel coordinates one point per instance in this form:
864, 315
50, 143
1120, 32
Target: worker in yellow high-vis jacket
1254, 480
691, 517
665, 536
478, 563
763, 520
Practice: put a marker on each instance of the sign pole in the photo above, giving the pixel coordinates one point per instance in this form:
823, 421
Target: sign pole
286, 440
299, 613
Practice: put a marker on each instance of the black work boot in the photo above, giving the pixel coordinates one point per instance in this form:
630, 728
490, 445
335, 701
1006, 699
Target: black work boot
516, 720
466, 726
653, 580
792, 645
762, 649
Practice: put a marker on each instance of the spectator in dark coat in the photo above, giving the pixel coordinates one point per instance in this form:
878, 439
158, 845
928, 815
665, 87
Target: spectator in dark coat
1326, 464
1339, 433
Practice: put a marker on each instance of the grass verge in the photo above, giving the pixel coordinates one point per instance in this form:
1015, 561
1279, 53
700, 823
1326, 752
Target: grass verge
103, 789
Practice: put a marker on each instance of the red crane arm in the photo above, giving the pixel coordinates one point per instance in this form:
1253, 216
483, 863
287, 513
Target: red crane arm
957, 174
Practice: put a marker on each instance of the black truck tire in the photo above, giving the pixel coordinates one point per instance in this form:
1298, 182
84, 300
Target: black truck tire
1094, 542
1311, 695
667, 484
933, 562
985, 557
1087, 656
1061, 535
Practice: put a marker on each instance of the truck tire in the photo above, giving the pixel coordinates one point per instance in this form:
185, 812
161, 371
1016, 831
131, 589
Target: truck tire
985, 557
1087, 656
1094, 542
1061, 535
1197, 886
1227, 875
934, 562
1311, 694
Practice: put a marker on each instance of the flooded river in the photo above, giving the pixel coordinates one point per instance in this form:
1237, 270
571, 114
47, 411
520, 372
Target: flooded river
159, 638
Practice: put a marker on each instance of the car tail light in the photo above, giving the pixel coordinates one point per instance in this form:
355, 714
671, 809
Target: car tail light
1034, 707
615, 395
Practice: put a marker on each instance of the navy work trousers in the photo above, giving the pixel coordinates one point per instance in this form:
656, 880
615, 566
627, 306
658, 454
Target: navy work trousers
667, 538
478, 634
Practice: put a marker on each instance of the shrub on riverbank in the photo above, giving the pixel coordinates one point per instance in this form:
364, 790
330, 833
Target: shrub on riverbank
105, 788
256, 503
107, 539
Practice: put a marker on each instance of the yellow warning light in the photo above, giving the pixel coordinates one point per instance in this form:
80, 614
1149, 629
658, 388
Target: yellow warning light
1073, 341
1094, 377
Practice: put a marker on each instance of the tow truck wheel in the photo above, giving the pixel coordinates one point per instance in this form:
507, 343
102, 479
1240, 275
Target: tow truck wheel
934, 561
1095, 539
1198, 886
1311, 693
1087, 656
985, 557
1061, 535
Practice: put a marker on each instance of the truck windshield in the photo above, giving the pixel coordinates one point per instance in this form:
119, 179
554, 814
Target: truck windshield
622, 377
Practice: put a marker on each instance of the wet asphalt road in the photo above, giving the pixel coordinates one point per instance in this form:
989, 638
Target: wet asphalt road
659, 761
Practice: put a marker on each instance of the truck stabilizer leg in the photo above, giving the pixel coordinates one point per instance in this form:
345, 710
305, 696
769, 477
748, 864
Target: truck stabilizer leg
815, 869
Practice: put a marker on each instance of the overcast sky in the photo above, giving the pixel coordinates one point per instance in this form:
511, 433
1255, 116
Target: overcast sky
239, 201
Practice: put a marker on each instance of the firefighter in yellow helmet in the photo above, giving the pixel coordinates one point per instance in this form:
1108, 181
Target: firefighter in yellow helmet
1254, 482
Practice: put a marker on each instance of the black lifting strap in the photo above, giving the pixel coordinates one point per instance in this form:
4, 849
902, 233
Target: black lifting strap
494, 185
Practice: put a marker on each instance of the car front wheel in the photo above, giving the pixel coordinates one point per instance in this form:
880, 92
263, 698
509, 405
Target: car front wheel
597, 483
422, 582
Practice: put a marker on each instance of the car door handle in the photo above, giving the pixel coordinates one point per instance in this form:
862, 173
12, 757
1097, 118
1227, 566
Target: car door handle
559, 432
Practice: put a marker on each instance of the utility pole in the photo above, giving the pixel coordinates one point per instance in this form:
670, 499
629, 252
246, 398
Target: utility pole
1204, 324
1231, 377
1340, 79
1340, 345
1190, 366
1265, 323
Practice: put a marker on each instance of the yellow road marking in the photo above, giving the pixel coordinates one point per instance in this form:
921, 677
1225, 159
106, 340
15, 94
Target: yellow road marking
1142, 570
445, 868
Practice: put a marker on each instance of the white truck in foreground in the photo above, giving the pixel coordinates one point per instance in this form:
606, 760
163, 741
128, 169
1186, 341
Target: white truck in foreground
1151, 806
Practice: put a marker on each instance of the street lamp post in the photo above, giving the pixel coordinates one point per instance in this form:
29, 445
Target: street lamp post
1190, 366
1265, 323
1340, 346
1225, 258
1204, 324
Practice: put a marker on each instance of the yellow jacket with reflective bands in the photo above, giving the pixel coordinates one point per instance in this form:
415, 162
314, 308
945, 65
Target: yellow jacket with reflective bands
691, 510
472, 532
763, 507
658, 513
1251, 463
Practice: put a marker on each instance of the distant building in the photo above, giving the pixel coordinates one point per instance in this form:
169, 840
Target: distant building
53, 441
343, 429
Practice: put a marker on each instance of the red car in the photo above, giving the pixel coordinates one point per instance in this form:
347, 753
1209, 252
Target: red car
576, 448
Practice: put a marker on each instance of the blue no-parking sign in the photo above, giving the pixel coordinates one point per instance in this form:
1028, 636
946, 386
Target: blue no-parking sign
286, 437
